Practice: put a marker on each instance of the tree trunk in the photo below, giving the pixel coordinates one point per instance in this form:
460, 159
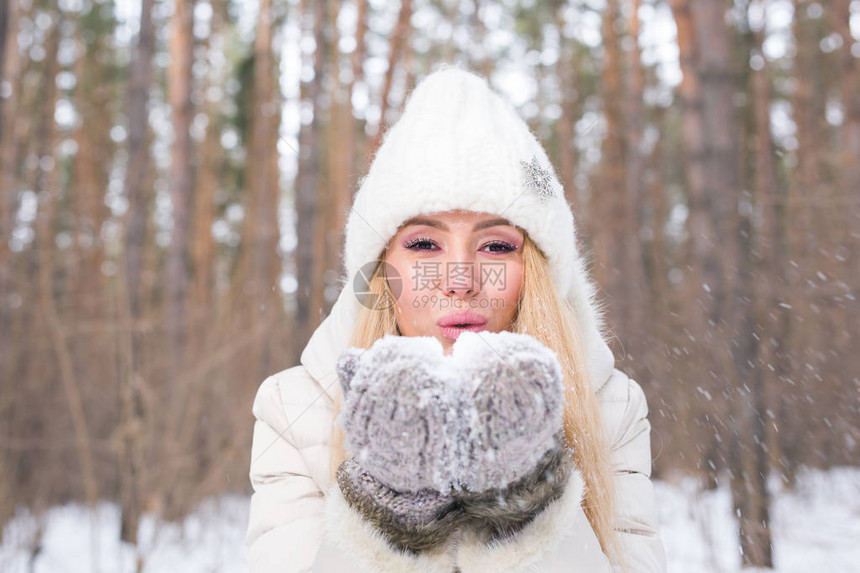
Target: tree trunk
181, 178
703, 271
90, 178
6, 32
9, 73
849, 152
308, 212
356, 164
805, 183
84, 284
847, 216
658, 257
129, 299
769, 295
10, 136
731, 217
185, 440
265, 190
46, 186
634, 172
570, 111
609, 199
212, 169
340, 130
348, 134
399, 41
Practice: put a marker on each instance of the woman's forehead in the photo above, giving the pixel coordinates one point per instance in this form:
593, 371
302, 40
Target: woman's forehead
442, 218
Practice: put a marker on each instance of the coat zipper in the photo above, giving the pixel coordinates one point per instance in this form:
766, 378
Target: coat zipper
455, 547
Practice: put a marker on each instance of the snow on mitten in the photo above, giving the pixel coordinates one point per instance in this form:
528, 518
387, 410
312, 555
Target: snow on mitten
401, 414
345, 367
514, 406
410, 521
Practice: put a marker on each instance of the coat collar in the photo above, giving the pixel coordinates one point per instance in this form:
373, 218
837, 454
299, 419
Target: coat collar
332, 337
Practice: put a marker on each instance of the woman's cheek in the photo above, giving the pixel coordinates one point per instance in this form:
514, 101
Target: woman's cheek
409, 300
505, 295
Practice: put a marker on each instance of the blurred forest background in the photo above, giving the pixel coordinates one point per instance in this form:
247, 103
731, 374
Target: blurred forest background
175, 176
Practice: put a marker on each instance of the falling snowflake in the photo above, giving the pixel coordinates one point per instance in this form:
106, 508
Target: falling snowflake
538, 179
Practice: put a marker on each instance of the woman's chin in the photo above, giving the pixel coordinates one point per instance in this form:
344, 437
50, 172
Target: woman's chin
447, 345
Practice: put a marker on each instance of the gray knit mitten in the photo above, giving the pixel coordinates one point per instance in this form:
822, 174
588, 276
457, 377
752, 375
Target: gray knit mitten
401, 424
514, 397
440, 441
401, 416
518, 457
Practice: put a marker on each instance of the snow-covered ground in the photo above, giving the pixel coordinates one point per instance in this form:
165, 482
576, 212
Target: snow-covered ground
76, 540
816, 528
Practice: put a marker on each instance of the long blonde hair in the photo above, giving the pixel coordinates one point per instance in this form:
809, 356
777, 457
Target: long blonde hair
548, 317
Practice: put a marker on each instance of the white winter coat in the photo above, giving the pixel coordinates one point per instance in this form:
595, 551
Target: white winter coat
300, 522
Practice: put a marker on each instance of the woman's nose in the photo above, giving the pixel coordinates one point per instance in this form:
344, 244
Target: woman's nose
460, 275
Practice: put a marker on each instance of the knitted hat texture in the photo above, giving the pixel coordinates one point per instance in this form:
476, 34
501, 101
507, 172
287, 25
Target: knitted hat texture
459, 145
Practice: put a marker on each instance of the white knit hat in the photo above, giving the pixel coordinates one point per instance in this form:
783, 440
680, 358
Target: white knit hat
459, 145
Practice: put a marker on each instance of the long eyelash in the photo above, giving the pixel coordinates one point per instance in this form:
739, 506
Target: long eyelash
508, 246
418, 240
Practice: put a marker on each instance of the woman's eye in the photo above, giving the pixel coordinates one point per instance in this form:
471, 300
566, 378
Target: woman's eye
500, 247
420, 244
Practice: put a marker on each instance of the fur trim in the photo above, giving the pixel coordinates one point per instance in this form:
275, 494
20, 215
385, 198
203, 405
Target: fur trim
368, 548
538, 538
497, 514
412, 522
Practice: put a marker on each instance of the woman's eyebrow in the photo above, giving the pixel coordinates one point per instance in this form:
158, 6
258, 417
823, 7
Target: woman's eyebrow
490, 223
444, 227
428, 222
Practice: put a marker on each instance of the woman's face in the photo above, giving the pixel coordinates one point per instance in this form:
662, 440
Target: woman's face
460, 270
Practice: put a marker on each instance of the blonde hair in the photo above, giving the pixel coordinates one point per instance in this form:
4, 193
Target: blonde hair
548, 317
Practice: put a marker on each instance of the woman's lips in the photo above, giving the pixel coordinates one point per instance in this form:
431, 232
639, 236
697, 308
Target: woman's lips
456, 323
453, 332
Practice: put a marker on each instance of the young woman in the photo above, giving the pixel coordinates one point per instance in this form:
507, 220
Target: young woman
462, 265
